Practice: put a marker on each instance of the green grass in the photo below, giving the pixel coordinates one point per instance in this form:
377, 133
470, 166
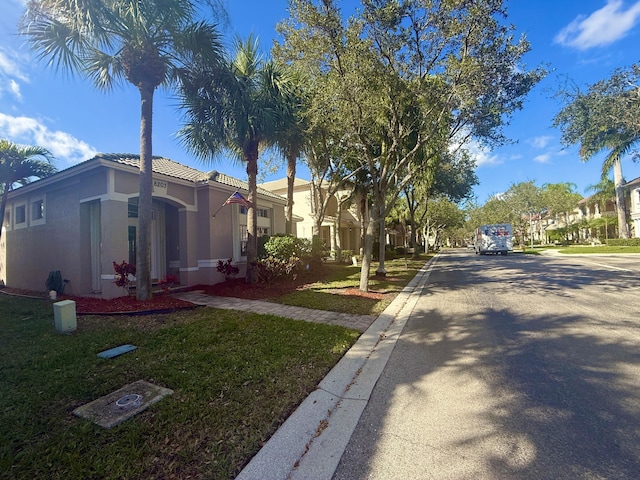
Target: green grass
331, 293
236, 376
586, 249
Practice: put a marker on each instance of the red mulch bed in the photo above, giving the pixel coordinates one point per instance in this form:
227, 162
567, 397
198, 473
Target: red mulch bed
161, 302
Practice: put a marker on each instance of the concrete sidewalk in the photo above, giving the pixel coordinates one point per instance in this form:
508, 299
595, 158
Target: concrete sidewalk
357, 322
312, 440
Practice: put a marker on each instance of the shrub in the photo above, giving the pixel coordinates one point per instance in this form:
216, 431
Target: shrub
169, 281
284, 247
624, 242
271, 269
316, 252
124, 274
347, 255
225, 268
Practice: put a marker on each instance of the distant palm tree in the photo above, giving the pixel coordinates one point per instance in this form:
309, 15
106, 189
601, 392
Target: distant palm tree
618, 143
18, 165
144, 42
238, 110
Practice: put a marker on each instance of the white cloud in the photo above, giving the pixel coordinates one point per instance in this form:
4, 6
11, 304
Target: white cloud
544, 158
540, 142
14, 88
602, 27
11, 74
29, 131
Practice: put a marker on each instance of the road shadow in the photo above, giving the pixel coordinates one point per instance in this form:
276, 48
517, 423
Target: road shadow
558, 397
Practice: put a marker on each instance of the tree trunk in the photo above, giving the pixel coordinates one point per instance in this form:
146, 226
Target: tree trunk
3, 205
145, 199
337, 241
291, 175
366, 255
382, 238
621, 205
252, 214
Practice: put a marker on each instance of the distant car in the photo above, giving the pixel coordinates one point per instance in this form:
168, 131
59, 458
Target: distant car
470, 246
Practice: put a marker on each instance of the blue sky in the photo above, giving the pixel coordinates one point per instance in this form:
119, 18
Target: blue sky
581, 40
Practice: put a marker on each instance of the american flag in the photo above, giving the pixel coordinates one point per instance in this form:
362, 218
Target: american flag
237, 198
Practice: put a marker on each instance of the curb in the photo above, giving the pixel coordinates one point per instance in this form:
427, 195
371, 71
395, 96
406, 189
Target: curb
310, 443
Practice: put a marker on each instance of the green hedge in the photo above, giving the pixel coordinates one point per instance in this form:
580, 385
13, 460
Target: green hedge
624, 242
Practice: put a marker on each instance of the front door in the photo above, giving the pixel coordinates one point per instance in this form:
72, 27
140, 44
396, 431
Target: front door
158, 240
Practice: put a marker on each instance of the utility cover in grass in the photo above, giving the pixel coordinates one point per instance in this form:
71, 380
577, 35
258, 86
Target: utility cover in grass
118, 406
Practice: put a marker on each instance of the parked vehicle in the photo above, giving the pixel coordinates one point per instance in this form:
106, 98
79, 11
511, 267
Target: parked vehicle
496, 239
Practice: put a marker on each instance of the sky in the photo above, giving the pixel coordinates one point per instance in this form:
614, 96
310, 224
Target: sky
581, 41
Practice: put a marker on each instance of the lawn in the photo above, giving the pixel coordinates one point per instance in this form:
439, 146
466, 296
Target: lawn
236, 377
339, 291
599, 249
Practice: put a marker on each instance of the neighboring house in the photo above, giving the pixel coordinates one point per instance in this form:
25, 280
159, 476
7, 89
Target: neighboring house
303, 212
634, 205
84, 218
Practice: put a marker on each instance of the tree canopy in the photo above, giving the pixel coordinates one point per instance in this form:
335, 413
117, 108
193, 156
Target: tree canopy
402, 81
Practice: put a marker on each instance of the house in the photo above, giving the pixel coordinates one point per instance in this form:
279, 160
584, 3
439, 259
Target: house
84, 218
304, 208
633, 187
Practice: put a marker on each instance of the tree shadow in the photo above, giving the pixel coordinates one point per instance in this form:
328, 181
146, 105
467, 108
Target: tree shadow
498, 393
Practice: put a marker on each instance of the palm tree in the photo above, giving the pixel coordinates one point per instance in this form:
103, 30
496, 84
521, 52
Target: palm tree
618, 144
18, 165
236, 109
290, 140
144, 42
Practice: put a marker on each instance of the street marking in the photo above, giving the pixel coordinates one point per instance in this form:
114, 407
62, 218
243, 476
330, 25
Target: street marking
609, 266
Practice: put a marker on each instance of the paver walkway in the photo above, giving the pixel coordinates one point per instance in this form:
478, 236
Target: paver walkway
357, 322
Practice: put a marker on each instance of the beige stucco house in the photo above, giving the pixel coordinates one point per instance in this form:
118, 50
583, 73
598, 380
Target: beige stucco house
84, 218
348, 227
633, 187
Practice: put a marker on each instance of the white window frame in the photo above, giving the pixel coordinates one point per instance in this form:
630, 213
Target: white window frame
33, 204
24, 223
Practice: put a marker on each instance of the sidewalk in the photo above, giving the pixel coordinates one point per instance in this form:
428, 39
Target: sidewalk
357, 322
312, 440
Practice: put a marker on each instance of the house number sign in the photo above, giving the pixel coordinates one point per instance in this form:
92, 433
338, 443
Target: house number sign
159, 187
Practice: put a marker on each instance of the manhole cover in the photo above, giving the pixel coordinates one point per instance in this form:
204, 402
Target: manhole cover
129, 401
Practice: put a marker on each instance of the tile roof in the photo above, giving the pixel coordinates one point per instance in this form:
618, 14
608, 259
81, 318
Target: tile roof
161, 165
171, 168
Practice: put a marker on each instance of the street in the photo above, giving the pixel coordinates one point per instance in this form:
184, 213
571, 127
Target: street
516, 367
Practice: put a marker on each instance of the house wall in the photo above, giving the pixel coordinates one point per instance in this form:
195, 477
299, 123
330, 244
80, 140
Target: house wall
53, 243
98, 196
634, 201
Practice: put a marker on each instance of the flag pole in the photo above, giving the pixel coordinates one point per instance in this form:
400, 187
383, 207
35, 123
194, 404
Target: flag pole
222, 206
235, 197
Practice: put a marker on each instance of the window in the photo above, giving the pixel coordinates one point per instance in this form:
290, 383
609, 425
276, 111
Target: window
7, 218
260, 212
21, 215
244, 235
132, 245
132, 208
37, 210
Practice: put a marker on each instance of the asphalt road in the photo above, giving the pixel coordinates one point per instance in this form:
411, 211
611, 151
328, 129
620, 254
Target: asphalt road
516, 367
